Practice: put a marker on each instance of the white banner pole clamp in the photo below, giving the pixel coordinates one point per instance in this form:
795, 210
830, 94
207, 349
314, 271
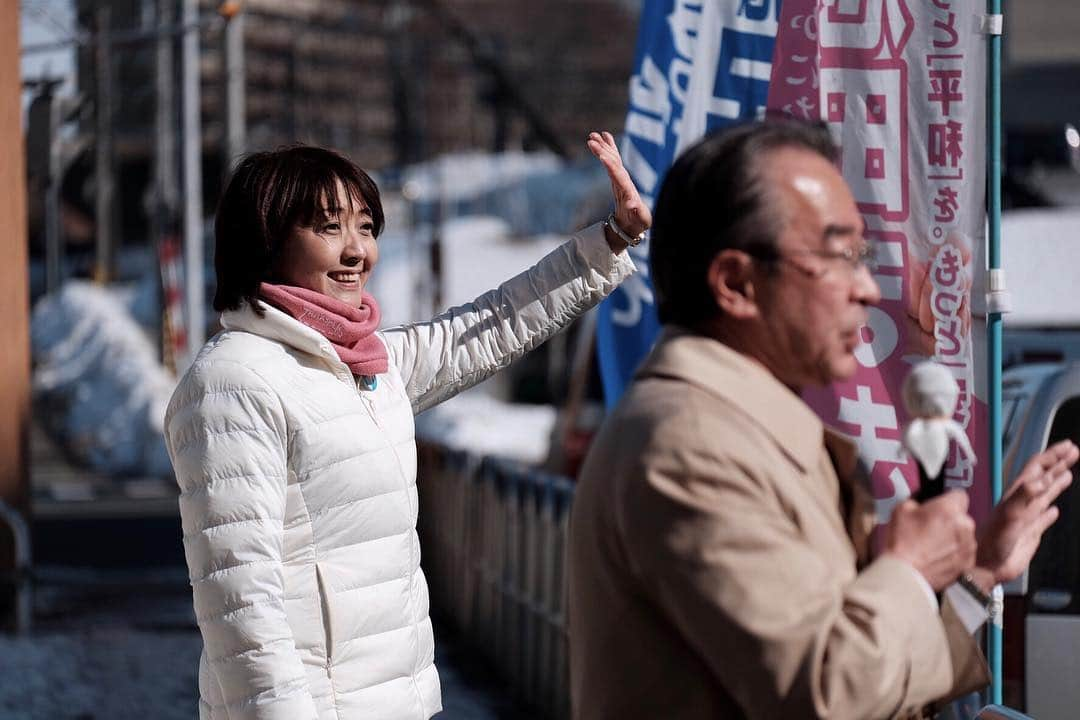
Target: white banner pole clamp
998, 299
993, 24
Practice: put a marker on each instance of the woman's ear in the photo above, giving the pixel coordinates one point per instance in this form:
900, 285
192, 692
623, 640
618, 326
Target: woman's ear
731, 282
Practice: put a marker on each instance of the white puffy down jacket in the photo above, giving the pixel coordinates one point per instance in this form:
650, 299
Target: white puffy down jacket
298, 494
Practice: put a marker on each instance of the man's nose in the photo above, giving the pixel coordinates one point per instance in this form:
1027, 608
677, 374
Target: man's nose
865, 289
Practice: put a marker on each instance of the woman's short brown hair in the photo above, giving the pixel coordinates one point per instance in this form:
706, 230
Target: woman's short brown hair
268, 194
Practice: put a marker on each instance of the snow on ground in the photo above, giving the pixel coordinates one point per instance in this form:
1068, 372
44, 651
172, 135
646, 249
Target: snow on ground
484, 425
97, 382
479, 254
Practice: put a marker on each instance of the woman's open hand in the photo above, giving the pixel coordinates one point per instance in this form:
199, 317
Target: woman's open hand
631, 214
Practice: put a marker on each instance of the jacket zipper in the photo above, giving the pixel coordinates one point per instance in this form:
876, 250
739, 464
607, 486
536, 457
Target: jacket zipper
370, 406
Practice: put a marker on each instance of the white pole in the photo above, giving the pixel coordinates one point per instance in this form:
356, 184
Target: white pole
193, 207
233, 68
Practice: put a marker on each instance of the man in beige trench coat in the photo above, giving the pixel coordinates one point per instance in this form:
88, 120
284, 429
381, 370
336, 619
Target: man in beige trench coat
719, 562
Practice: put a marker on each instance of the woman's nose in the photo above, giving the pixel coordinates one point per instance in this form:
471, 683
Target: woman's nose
353, 253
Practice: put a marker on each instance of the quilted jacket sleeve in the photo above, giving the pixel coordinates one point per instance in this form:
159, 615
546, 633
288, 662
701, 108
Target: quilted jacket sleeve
227, 437
467, 344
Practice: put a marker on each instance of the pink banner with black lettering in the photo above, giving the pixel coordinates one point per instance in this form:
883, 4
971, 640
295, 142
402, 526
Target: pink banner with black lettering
900, 83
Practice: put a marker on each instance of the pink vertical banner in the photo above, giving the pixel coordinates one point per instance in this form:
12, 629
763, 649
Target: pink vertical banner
901, 87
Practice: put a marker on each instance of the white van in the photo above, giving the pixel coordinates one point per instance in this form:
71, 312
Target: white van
1041, 405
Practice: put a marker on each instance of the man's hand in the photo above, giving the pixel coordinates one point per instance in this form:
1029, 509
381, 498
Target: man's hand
1011, 537
632, 215
937, 538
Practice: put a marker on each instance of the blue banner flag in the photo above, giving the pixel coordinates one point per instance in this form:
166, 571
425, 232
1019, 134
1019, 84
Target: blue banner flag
698, 66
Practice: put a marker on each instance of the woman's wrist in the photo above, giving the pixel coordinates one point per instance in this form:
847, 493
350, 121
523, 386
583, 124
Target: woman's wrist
616, 243
619, 238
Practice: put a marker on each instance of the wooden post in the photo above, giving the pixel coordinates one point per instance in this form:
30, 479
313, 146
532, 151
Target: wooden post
14, 298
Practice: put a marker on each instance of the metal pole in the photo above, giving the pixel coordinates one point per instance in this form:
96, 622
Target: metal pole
163, 199
163, 212
103, 160
993, 325
232, 53
193, 206
54, 249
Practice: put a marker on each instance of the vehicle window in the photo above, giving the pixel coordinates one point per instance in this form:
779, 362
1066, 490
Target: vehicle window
1009, 406
1054, 580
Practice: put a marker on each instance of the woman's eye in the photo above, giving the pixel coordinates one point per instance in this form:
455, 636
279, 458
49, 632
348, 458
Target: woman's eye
367, 228
331, 227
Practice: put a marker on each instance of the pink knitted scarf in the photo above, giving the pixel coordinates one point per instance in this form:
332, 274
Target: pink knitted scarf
350, 330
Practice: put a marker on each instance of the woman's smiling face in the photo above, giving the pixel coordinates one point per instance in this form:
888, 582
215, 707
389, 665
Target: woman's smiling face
334, 254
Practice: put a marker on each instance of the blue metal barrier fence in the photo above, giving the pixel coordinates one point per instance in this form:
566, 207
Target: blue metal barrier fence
493, 532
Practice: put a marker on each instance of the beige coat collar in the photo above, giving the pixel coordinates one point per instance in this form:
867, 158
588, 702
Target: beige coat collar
796, 430
716, 368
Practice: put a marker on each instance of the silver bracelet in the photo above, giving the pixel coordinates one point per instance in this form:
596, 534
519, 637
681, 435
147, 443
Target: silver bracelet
631, 240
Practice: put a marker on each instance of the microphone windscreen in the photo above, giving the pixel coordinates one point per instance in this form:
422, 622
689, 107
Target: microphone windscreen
930, 391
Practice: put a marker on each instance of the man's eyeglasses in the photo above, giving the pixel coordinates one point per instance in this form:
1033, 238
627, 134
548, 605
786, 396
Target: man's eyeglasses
855, 258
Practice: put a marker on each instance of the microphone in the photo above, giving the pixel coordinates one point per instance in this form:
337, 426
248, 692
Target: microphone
930, 393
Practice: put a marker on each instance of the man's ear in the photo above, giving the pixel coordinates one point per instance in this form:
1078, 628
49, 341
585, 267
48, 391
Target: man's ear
731, 282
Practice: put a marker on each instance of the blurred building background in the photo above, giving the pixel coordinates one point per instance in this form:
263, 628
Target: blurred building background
393, 83
472, 113
1039, 97
387, 83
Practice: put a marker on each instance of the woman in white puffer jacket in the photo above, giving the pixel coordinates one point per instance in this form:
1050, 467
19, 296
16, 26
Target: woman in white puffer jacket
292, 437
